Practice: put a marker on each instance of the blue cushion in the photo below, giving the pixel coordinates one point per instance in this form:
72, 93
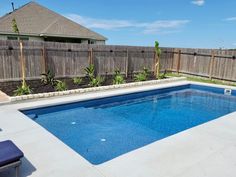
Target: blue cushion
9, 153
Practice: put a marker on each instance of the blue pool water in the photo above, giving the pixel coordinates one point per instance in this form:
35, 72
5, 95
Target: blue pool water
103, 129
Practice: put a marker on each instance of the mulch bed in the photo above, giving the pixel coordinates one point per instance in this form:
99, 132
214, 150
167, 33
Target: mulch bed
38, 87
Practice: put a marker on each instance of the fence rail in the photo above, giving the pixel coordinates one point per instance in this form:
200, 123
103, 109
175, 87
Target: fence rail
69, 60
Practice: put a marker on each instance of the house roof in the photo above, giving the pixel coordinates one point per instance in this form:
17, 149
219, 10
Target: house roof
36, 20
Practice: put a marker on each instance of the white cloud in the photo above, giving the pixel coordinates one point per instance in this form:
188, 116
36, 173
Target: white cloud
198, 2
159, 26
230, 19
100, 23
234, 44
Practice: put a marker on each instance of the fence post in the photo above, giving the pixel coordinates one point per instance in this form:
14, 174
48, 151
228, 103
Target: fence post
127, 63
43, 62
173, 59
178, 61
90, 56
211, 64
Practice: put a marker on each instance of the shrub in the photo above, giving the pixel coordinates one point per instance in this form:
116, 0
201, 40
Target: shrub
118, 78
22, 90
97, 81
48, 78
77, 80
143, 76
60, 86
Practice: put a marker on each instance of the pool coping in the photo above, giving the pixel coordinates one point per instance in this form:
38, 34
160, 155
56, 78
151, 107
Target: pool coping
29, 135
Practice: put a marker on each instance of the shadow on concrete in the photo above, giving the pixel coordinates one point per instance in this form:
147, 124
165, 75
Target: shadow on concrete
26, 169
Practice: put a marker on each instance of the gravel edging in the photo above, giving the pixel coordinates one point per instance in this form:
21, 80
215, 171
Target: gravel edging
92, 89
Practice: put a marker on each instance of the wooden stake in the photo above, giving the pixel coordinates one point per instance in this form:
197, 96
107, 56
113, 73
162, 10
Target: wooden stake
154, 63
157, 66
22, 61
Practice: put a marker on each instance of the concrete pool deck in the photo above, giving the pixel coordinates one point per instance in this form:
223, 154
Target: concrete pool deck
206, 150
3, 97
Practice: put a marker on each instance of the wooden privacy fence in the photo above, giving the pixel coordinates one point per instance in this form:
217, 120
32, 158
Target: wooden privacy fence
211, 63
69, 60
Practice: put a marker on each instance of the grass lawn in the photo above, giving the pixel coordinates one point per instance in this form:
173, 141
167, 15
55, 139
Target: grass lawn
202, 79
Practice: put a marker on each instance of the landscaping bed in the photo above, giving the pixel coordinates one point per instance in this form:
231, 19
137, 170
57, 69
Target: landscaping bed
38, 87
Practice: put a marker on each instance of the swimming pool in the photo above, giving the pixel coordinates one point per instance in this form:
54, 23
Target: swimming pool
103, 129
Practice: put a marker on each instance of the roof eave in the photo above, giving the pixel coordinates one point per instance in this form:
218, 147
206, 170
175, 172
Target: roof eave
72, 36
52, 35
21, 34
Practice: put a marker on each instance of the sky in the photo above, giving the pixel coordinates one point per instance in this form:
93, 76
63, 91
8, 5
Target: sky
174, 23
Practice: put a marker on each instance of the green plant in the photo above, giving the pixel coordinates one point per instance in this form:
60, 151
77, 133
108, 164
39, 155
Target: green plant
48, 78
24, 89
162, 75
146, 71
60, 86
90, 71
97, 81
93, 81
140, 77
143, 76
77, 80
158, 54
118, 78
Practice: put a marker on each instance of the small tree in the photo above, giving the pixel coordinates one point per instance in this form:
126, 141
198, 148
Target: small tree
23, 89
158, 54
17, 31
